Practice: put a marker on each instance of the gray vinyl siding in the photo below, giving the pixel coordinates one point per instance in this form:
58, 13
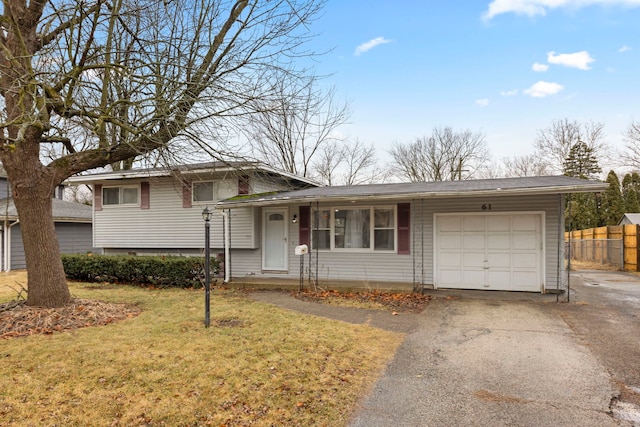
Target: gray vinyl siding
18, 260
166, 225
5, 188
72, 238
392, 267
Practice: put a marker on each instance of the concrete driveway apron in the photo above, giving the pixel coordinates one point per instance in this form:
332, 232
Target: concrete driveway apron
490, 362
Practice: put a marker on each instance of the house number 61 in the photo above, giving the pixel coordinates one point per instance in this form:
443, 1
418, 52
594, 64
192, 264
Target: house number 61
486, 207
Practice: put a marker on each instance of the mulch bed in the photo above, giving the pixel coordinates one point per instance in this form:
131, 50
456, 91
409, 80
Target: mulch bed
17, 319
400, 302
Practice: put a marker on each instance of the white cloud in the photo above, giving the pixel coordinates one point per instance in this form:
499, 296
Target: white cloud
580, 60
482, 102
542, 89
624, 48
541, 68
540, 7
364, 47
513, 92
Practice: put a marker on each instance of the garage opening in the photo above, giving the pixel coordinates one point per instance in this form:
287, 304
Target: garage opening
497, 251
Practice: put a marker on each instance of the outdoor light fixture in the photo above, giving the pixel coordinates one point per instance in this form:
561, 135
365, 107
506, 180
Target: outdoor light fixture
206, 215
294, 219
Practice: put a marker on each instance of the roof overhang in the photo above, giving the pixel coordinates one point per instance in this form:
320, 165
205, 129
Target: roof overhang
186, 170
325, 194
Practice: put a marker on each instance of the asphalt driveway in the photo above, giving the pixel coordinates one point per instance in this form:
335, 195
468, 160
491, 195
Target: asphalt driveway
507, 358
490, 362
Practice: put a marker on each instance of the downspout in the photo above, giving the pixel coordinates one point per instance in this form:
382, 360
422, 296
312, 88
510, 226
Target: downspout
226, 244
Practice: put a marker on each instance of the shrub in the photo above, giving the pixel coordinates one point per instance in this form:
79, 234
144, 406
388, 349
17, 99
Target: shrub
158, 271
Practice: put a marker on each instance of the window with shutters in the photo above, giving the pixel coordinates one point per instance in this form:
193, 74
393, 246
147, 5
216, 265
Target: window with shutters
358, 229
212, 191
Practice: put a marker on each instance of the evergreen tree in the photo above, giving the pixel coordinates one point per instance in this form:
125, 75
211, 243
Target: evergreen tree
581, 162
612, 206
583, 210
630, 189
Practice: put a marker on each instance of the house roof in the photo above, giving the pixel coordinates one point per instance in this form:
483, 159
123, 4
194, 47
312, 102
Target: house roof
62, 211
192, 169
419, 190
634, 218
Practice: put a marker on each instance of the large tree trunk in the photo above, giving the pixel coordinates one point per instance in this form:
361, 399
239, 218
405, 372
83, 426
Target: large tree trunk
32, 187
47, 282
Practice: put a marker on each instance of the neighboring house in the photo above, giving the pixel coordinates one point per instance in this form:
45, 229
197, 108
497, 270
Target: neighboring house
159, 210
72, 222
495, 234
630, 218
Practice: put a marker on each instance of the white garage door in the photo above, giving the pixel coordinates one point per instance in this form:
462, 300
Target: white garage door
489, 251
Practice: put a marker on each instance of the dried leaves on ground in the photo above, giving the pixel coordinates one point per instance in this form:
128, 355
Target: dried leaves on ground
401, 302
18, 319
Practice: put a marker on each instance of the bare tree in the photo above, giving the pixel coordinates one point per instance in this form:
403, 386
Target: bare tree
349, 163
631, 156
527, 165
288, 131
135, 82
554, 143
445, 155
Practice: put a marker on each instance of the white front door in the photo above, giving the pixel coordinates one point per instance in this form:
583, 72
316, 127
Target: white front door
275, 238
491, 251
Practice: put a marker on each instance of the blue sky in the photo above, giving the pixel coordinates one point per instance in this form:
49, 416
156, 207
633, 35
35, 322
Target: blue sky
506, 68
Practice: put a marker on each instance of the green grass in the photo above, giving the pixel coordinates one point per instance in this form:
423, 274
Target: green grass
256, 365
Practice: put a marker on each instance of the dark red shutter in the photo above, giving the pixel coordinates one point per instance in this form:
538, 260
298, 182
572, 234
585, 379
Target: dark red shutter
404, 228
144, 195
97, 197
243, 185
186, 194
304, 219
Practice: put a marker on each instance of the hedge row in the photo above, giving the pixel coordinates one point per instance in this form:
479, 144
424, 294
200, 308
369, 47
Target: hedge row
158, 271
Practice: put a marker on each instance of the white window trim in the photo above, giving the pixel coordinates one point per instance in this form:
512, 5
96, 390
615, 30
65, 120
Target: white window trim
371, 249
120, 196
218, 187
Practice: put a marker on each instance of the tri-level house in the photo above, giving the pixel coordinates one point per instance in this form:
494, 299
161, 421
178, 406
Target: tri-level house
159, 210
494, 234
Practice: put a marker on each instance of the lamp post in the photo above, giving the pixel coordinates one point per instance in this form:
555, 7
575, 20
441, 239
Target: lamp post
206, 215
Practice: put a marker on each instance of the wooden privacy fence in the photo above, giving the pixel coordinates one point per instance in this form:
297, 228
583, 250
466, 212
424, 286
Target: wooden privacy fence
606, 245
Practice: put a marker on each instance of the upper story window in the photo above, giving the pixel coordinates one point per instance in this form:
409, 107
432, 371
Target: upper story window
120, 195
212, 191
355, 228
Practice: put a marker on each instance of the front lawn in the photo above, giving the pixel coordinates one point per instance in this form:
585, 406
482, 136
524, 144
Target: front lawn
256, 365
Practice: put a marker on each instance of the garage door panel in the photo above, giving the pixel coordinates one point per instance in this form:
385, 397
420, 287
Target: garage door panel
473, 260
473, 223
499, 241
499, 280
496, 223
525, 222
525, 241
474, 279
473, 241
526, 280
448, 241
524, 261
451, 259
452, 278
499, 260
450, 223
